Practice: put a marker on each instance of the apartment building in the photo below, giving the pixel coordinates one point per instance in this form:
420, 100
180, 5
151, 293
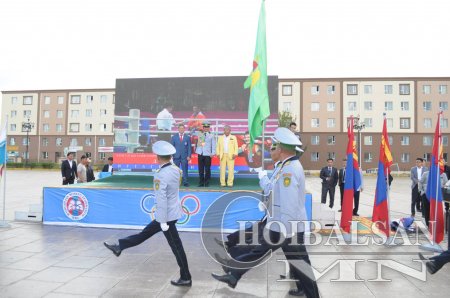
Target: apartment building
63, 120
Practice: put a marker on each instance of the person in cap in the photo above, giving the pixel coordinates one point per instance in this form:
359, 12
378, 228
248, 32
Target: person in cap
166, 185
288, 204
89, 170
206, 148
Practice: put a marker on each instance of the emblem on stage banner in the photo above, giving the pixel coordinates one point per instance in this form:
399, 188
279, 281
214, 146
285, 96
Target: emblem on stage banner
75, 205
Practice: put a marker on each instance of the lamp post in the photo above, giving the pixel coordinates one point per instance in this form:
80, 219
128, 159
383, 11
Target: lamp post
27, 126
359, 125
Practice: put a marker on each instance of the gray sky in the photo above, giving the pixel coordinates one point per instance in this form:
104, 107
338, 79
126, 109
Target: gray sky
54, 44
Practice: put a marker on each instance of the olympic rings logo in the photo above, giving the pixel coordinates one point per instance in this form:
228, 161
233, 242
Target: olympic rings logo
190, 205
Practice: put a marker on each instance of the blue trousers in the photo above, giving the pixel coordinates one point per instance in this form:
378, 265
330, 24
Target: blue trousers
182, 163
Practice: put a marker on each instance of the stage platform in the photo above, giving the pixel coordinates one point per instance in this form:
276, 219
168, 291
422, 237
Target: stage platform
127, 201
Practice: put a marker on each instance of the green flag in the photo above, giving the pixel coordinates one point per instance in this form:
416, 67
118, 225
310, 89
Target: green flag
258, 107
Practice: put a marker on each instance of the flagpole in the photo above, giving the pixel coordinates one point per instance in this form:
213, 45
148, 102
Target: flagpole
262, 146
3, 222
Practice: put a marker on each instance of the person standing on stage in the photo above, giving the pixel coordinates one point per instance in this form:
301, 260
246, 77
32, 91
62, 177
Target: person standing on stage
206, 148
288, 204
329, 176
109, 167
227, 151
342, 180
69, 170
182, 156
416, 174
166, 185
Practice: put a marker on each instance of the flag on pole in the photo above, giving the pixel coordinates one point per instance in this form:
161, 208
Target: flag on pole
3, 149
380, 213
352, 179
258, 107
434, 191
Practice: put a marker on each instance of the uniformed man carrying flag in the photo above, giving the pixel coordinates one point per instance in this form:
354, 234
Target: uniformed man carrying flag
166, 183
288, 205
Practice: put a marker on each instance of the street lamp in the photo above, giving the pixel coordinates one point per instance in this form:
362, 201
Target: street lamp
359, 125
27, 126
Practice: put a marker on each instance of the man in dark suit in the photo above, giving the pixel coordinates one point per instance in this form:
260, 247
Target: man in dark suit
329, 176
108, 167
182, 144
416, 175
89, 171
69, 169
342, 180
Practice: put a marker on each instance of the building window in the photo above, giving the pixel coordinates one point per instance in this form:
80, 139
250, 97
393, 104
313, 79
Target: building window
443, 105
88, 127
368, 106
331, 122
74, 113
14, 100
352, 105
104, 98
44, 142
331, 140
445, 140
103, 127
286, 106
388, 89
12, 141
352, 89
368, 122
26, 141
46, 114
46, 127
389, 122
427, 123
59, 127
27, 114
426, 89
28, 100
89, 99
47, 100
388, 105
405, 157
404, 89
75, 99
88, 142
368, 156
367, 89
102, 155
314, 156
331, 89
332, 155
315, 122
427, 141
74, 127
427, 105
444, 123
442, 89
101, 142
404, 140
315, 106
44, 155
59, 114
404, 105
73, 142
405, 123
88, 112
331, 106
26, 155
13, 114
58, 141
286, 90
12, 127
391, 140
315, 140
60, 100
427, 156
368, 140
314, 90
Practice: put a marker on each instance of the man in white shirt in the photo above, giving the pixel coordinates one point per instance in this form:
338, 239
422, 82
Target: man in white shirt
164, 122
416, 175
81, 170
108, 167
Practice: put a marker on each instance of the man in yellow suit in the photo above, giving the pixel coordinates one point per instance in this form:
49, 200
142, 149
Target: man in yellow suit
227, 151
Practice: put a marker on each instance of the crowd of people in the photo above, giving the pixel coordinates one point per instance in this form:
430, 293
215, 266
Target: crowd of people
83, 172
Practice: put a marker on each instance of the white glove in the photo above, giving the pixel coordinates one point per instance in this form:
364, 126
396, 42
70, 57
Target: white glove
261, 174
261, 206
164, 226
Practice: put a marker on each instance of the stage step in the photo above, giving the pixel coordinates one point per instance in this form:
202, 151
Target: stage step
34, 213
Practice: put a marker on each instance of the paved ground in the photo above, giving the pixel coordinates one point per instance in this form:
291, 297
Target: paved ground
51, 261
